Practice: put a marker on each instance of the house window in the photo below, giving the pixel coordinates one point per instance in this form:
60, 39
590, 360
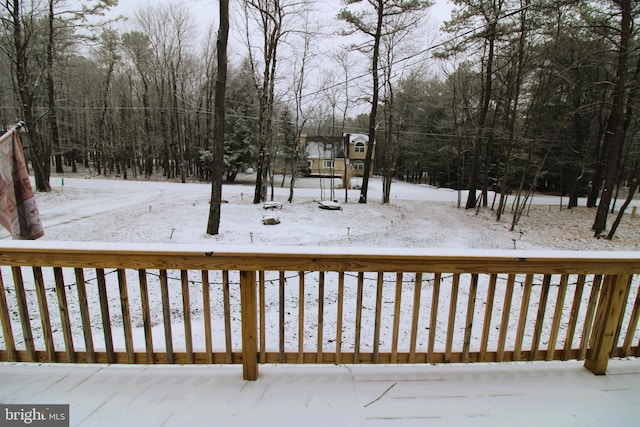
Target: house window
328, 164
358, 165
359, 147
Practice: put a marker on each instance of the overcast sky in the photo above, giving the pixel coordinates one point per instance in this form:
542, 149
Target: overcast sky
206, 11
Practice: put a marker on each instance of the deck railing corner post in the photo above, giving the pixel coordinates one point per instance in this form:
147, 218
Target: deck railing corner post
608, 316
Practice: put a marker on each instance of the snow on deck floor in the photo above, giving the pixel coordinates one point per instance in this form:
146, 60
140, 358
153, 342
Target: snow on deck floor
509, 394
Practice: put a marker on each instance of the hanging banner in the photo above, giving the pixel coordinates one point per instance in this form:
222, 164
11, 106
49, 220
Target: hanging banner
18, 211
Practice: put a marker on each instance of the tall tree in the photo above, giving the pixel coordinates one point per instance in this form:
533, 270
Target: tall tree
137, 47
268, 15
291, 128
54, 134
398, 37
373, 22
614, 137
26, 78
482, 14
213, 225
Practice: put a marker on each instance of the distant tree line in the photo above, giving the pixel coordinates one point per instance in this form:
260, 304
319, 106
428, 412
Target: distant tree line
522, 95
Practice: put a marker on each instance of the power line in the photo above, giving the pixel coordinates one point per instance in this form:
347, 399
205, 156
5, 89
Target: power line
420, 53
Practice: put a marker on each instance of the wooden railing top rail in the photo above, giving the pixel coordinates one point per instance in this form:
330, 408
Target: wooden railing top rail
250, 258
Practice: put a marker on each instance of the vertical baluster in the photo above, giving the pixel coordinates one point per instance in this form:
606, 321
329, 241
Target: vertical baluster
415, 318
64, 315
542, 308
206, 311
433, 321
504, 323
227, 316
301, 318
396, 318
631, 328
44, 314
573, 317
471, 307
7, 330
166, 316
106, 317
356, 350
126, 315
522, 321
84, 315
23, 310
186, 315
589, 315
146, 315
281, 312
488, 315
320, 317
339, 318
557, 317
263, 316
378, 316
453, 304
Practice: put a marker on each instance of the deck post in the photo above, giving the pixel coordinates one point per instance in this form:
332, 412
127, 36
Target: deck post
249, 315
608, 314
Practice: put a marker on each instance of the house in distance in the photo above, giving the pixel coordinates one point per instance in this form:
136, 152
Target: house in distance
326, 154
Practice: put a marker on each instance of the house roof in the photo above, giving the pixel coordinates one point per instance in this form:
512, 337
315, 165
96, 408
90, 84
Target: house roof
324, 149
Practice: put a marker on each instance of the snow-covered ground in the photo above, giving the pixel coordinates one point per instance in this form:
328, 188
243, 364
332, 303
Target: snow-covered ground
127, 213
91, 209
114, 210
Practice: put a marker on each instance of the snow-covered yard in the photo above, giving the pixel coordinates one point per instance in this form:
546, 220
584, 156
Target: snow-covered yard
113, 210
87, 210
131, 212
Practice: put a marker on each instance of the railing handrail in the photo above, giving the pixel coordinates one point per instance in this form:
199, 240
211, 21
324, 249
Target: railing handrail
298, 258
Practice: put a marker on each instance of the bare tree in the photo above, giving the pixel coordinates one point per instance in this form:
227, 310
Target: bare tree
483, 14
374, 24
268, 15
303, 106
396, 39
170, 31
615, 135
19, 25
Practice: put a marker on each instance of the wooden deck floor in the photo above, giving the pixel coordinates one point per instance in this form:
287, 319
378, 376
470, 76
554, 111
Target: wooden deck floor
535, 394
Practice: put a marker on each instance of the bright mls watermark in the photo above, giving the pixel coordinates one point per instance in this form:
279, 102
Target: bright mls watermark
34, 415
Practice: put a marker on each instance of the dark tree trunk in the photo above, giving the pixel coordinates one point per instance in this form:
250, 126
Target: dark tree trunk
478, 139
374, 105
54, 133
213, 224
614, 137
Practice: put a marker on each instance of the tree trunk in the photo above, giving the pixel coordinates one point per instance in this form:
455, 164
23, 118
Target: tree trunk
54, 133
213, 225
39, 154
632, 191
271, 39
179, 139
479, 137
614, 137
374, 105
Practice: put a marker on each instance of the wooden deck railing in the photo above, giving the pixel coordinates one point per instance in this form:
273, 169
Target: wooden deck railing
88, 303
